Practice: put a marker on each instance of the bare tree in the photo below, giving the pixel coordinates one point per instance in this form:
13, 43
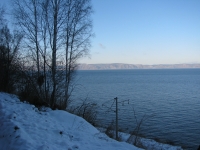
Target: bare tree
28, 18
78, 33
55, 20
55, 31
27, 14
9, 62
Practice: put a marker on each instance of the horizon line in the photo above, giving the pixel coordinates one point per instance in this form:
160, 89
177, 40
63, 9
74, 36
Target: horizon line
142, 64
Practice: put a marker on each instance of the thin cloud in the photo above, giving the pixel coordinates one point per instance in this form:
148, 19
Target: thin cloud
102, 46
96, 53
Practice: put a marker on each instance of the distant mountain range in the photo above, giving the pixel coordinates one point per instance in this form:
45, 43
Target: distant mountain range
134, 66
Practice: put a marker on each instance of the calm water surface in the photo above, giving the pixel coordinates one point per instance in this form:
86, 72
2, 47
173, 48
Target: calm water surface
169, 98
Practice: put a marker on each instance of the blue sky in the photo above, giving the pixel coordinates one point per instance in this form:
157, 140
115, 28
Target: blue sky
145, 32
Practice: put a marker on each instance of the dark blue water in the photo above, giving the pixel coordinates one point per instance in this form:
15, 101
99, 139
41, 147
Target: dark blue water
168, 98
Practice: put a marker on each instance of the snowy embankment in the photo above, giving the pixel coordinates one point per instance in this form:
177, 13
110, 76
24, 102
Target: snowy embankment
24, 127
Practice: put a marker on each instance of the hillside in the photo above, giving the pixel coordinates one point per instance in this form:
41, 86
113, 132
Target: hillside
24, 127
134, 66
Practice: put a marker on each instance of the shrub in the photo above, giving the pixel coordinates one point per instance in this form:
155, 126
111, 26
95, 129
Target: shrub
86, 110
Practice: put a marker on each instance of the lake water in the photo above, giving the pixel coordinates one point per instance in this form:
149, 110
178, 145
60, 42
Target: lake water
168, 98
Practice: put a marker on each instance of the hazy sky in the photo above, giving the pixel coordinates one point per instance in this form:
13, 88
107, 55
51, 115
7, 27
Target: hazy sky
145, 31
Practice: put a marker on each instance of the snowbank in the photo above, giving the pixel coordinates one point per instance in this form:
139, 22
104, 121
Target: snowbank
24, 127
147, 144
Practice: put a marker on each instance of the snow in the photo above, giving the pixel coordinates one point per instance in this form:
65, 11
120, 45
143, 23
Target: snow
24, 127
147, 144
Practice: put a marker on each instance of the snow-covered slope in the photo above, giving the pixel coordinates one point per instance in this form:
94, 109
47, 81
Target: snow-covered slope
24, 127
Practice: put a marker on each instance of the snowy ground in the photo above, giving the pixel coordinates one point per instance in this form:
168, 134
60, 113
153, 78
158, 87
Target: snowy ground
147, 144
24, 127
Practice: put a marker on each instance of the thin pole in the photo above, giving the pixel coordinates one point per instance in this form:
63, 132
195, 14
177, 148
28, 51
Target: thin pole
116, 118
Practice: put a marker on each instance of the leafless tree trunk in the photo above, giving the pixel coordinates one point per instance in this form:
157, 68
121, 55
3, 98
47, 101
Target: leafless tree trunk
55, 4
55, 21
44, 25
36, 34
